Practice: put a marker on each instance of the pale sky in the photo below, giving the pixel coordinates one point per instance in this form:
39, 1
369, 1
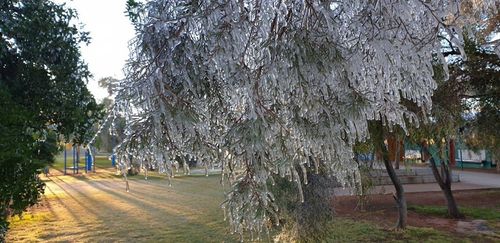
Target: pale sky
110, 31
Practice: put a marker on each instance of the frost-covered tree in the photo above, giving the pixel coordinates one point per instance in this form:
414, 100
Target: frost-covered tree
267, 88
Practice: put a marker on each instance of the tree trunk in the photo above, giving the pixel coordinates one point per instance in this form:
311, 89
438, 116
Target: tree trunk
452, 204
453, 160
398, 155
494, 158
399, 196
444, 182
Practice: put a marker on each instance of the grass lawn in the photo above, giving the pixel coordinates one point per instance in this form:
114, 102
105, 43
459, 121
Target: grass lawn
344, 230
470, 212
96, 208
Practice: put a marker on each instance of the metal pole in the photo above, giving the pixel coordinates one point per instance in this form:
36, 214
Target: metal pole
93, 160
78, 159
73, 157
461, 156
89, 159
86, 160
65, 157
113, 159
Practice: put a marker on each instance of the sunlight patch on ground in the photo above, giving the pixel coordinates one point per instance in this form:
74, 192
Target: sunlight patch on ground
100, 209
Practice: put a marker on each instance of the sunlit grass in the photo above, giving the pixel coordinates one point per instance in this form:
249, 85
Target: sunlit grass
101, 210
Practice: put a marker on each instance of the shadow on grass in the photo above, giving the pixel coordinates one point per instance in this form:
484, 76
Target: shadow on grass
151, 210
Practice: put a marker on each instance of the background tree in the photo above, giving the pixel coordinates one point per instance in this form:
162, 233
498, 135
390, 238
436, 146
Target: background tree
110, 131
480, 74
438, 129
467, 99
43, 96
378, 135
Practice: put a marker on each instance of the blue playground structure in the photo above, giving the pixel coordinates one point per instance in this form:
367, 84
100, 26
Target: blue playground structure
88, 158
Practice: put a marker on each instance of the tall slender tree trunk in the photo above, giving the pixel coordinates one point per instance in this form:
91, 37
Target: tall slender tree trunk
399, 197
444, 181
452, 150
398, 186
495, 158
397, 154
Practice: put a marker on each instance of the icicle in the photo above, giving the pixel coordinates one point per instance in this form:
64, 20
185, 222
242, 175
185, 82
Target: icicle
299, 185
167, 176
316, 164
304, 173
127, 188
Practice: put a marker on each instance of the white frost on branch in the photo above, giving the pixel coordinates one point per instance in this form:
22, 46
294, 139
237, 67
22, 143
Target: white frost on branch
267, 88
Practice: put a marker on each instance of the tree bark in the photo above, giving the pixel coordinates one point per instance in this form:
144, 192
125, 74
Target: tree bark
453, 160
494, 158
444, 182
399, 196
397, 155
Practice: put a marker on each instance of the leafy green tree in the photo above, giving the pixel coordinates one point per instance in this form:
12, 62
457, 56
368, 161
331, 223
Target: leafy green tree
469, 98
480, 74
43, 96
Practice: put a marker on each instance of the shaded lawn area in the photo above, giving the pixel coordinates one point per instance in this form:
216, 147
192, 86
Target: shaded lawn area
96, 208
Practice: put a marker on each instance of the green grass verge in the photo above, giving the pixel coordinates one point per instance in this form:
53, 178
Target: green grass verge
441, 211
416, 234
346, 230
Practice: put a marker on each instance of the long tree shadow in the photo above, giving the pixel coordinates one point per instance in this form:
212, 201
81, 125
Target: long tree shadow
140, 202
179, 219
156, 191
158, 213
104, 212
63, 204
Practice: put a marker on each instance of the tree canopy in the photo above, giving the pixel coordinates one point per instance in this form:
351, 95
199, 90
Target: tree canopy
480, 74
43, 95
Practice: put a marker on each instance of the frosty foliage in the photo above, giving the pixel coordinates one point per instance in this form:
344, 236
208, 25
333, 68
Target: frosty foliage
266, 88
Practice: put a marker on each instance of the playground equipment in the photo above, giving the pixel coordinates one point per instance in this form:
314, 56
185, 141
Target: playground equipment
89, 154
89, 159
110, 118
